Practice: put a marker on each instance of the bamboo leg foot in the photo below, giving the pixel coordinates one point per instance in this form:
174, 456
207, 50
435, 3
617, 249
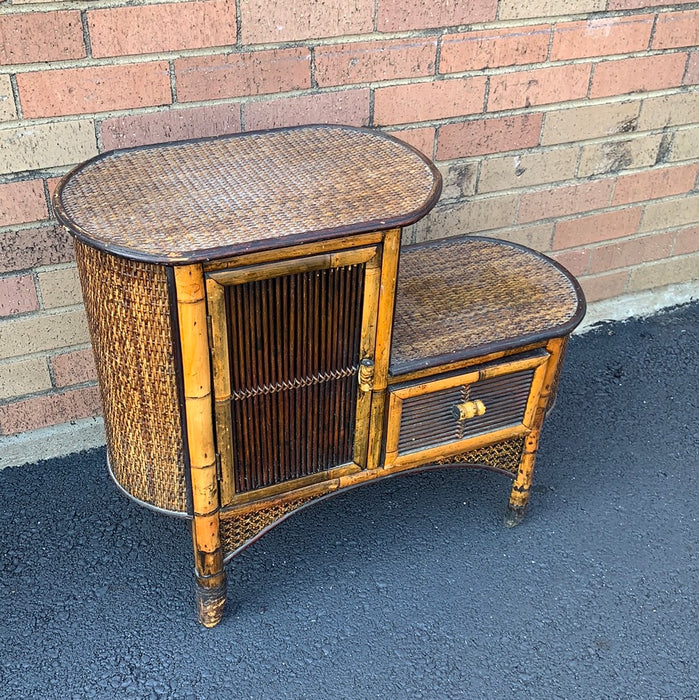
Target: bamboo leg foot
515, 514
519, 495
211, 598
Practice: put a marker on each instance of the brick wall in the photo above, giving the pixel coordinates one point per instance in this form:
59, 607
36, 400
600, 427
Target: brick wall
568, 125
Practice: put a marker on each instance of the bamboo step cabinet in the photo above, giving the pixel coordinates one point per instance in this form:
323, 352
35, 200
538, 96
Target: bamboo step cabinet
262, 342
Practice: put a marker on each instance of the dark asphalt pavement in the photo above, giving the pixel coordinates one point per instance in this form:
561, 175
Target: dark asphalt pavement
410, 588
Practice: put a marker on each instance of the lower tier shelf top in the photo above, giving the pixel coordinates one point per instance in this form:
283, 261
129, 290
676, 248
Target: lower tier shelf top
466, 296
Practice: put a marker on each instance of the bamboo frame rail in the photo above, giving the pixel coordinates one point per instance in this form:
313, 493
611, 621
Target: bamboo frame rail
384, 327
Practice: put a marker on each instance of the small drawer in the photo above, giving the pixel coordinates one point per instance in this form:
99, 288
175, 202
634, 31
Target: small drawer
448, 414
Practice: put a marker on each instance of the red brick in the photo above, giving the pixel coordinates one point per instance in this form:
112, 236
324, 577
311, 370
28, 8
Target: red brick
494, 48
370, 61
46, 144
629, 75
242, 74
23, 250
575, 261
53, 409
52, 183
21, 202
17, 295
481, 136
670, 213
265, 21
674, 29
96, 89
516, 9
75, 367
636, 4
422, 139
343, 107
36, 37
538, 87
596, 228
563, 201
601, 37
581, 123
418, 102
8, 111
604, 286
402, 15
631, 252
653, 184
661, 273
121, 31
170, 125
691, 77
686, 241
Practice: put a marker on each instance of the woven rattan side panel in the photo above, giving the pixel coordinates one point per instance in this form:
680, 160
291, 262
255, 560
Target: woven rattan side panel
129, 318
504, 456
240, 528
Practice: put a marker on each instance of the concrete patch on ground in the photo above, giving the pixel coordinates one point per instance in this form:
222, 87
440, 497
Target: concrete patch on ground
639, 304
55, 441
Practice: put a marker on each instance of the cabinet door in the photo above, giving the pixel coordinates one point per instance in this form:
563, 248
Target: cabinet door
287, 343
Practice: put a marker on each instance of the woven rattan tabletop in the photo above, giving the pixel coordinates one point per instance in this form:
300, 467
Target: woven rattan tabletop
466, 296
204, 199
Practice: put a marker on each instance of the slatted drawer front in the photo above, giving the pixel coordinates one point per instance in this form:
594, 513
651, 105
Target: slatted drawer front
436, 417
431, 419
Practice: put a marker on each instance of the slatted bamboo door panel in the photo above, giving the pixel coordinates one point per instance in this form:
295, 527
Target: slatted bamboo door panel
287, 344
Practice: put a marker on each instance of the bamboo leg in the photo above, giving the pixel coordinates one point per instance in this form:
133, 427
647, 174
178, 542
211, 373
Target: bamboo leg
208, 552
519, 495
